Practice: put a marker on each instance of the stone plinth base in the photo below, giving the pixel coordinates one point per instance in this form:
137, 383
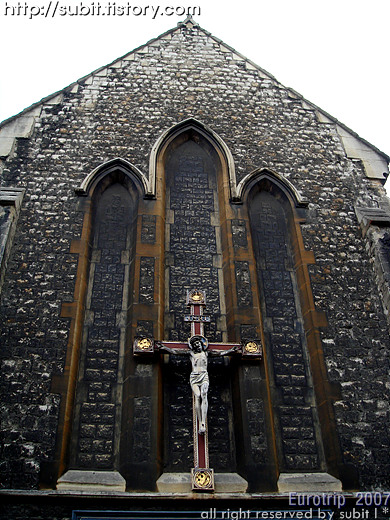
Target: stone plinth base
78, 480
181, 483
308, 482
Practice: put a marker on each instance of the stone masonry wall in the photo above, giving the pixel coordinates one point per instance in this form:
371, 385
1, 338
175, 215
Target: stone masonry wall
120, 111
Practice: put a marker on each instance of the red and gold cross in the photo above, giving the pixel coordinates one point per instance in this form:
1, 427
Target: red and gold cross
202, 474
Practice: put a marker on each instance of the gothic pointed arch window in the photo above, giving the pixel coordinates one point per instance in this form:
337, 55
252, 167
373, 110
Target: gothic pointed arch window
299, 444
98, 396
193, 162
92, 404
303, 418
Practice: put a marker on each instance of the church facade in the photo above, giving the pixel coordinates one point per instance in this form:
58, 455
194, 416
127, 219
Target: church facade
181, 166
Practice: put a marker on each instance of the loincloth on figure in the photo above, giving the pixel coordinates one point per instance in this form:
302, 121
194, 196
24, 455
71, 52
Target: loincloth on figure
199, 378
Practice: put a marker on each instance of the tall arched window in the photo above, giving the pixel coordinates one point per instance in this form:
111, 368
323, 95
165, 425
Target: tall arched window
97, 419
298, 440
299, 393
92, 411
193, 258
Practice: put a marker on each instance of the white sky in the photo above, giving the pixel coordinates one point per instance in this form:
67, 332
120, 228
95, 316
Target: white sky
333, 52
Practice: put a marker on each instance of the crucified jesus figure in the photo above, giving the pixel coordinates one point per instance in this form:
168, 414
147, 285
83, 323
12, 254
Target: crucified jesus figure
199, 378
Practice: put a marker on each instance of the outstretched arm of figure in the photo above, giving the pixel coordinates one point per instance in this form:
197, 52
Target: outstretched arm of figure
224, 352
160, 346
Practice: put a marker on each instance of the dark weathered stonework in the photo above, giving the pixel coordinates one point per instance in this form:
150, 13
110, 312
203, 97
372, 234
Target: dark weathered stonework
148, 231
191, 179
291, 379
142, 422
243, 278
178, 453
258, 438
97, 393
248, 332
121, 111
146, 280
239, 233
144, 328
385, 245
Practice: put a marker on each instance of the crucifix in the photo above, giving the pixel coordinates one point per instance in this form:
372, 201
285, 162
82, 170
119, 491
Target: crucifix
199, 349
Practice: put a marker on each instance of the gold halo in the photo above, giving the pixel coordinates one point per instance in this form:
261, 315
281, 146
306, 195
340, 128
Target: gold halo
203, 479
251, 346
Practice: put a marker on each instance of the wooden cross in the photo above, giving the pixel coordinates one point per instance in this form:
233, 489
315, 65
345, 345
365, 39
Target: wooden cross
198, 348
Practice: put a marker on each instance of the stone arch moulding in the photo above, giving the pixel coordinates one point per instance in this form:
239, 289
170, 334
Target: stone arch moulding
246, 184
90, 182
192, 124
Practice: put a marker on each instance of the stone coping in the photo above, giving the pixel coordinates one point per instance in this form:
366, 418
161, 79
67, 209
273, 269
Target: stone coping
320, 482
92, 480
227, 483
